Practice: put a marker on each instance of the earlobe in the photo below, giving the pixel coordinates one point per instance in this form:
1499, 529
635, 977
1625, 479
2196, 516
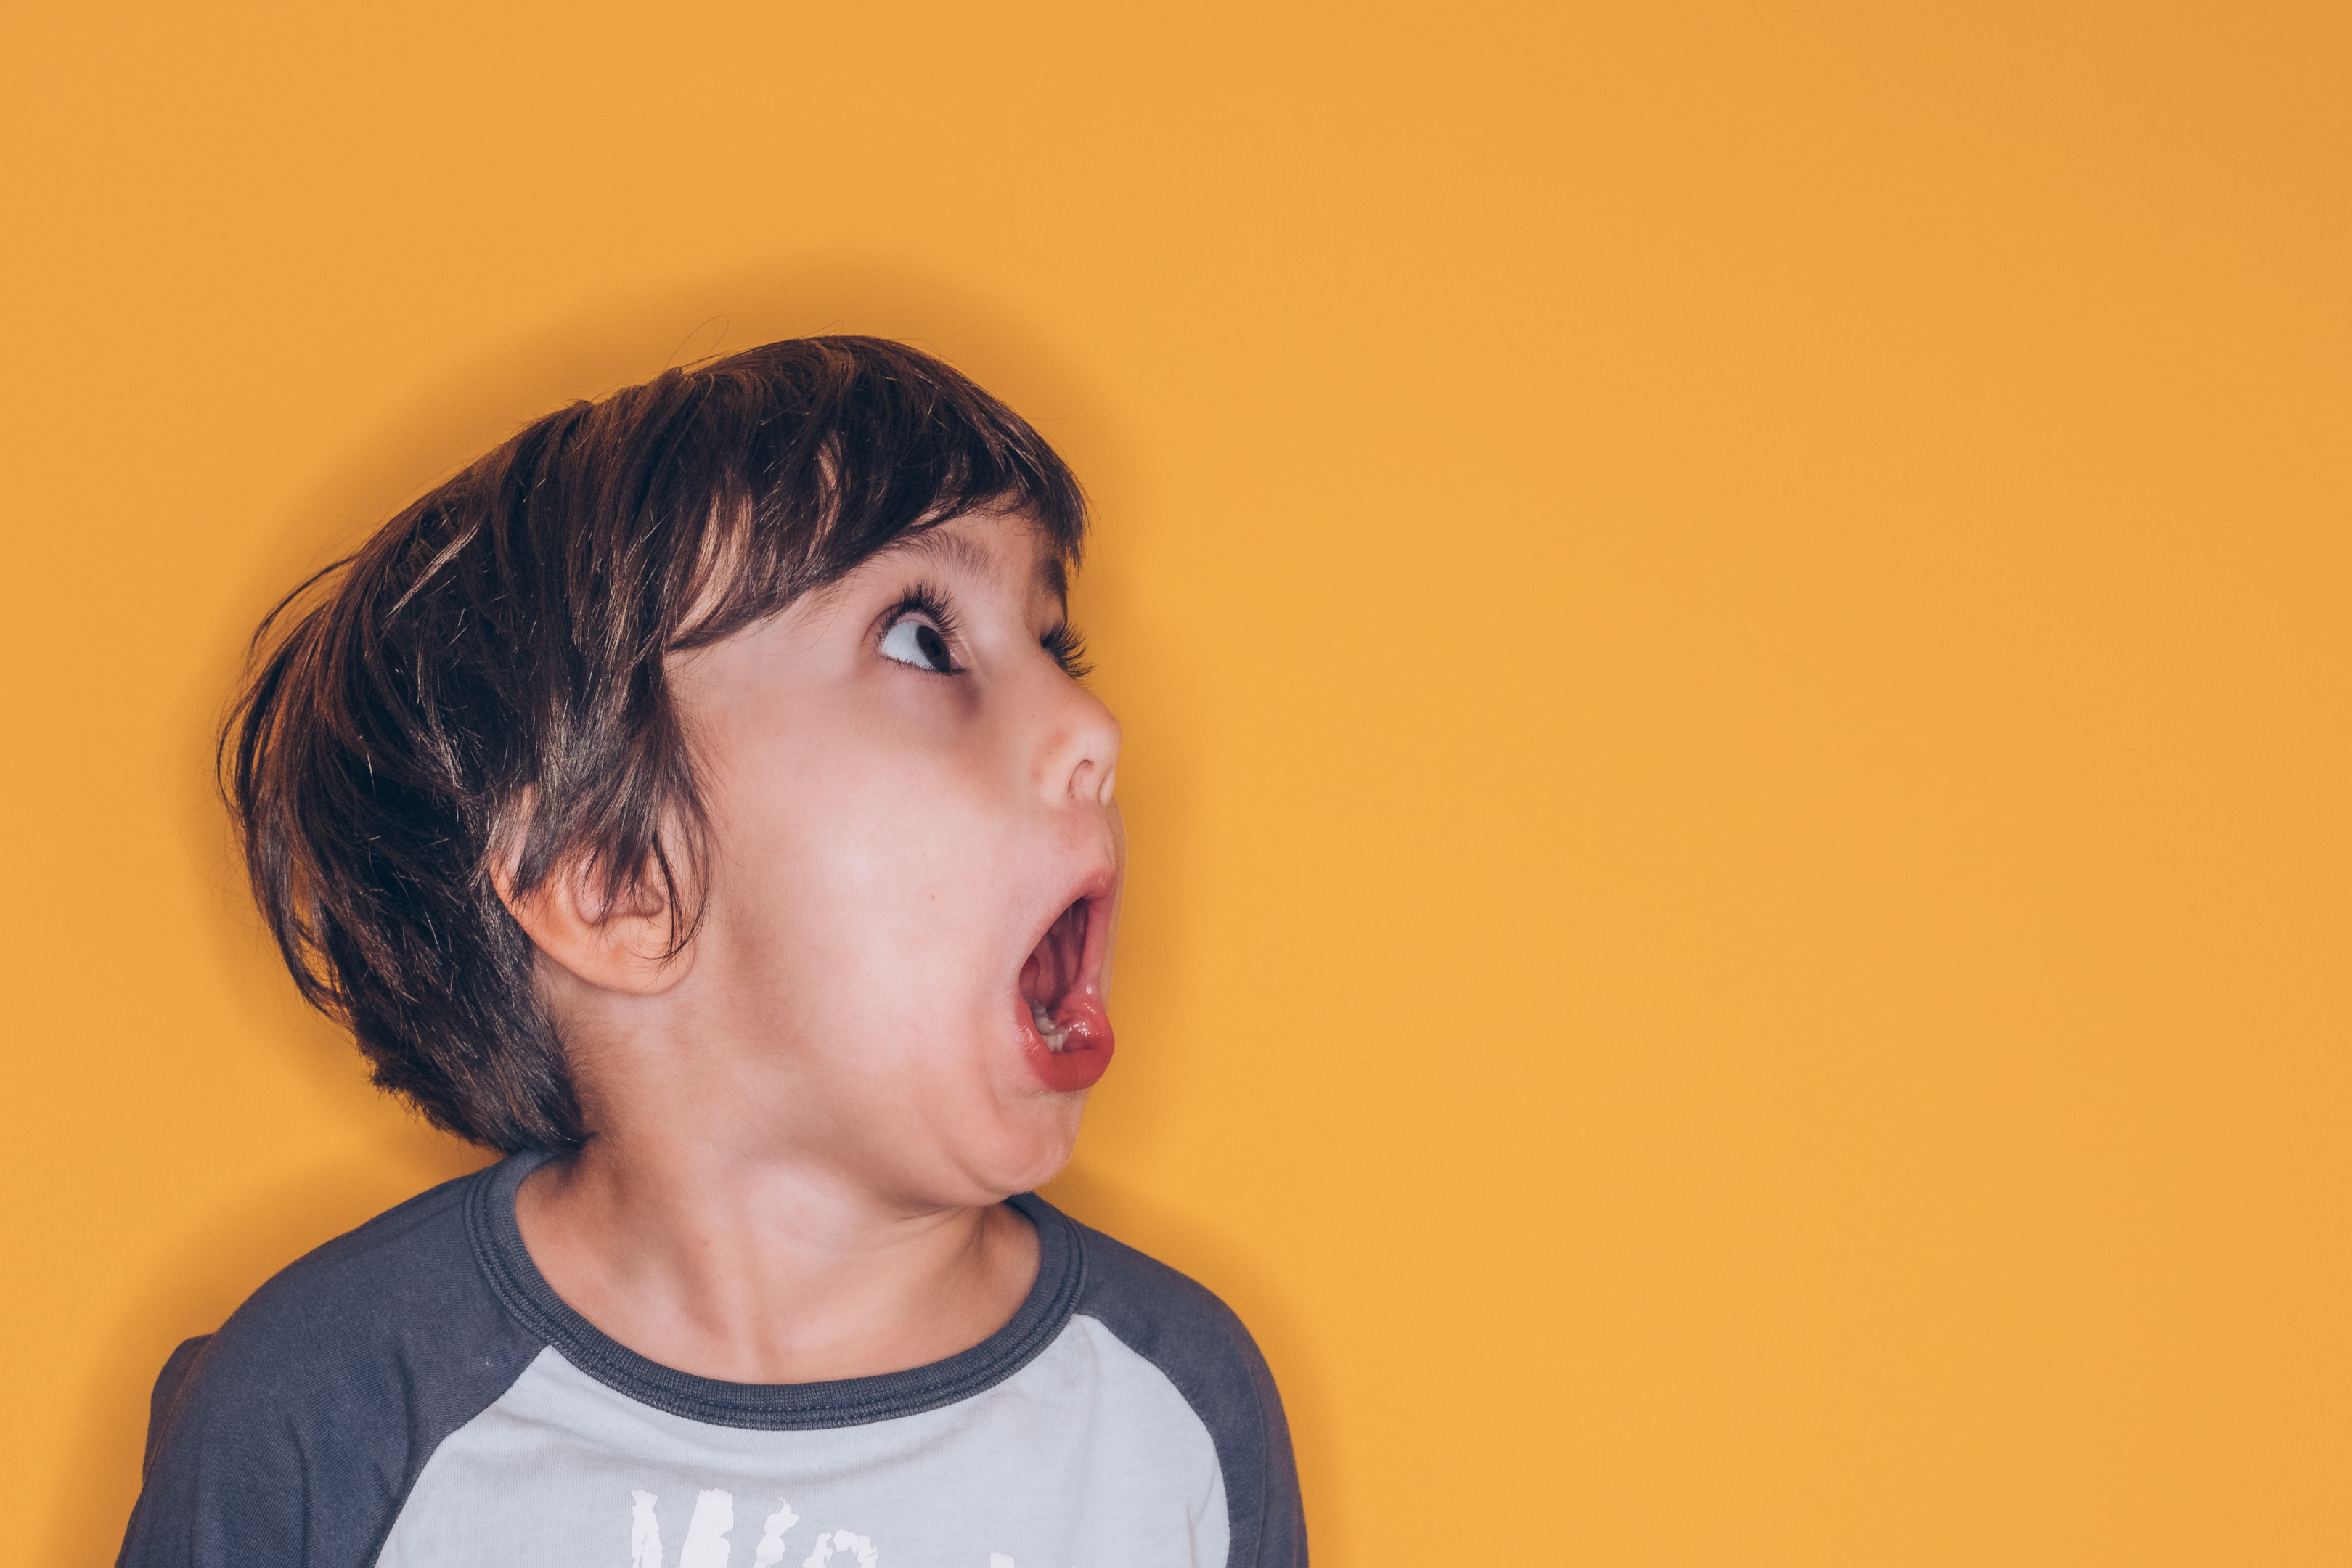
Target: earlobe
615, 940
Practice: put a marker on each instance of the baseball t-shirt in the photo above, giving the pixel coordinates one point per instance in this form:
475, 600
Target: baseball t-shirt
414, 1393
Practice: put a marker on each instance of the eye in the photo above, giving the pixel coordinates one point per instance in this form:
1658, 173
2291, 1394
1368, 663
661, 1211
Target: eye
913, 639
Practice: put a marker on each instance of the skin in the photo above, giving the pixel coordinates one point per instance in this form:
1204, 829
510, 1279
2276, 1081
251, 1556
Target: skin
801, 1128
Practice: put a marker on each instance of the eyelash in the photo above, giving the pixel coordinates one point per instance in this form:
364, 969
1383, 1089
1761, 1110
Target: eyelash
926, 601
1064, 641
1069, 650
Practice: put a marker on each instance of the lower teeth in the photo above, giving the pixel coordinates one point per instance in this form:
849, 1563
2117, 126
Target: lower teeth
1056, 1034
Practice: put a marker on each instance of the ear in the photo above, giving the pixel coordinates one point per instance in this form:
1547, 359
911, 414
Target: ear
620, 942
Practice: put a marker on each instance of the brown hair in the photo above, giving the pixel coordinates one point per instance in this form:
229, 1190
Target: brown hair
487, 676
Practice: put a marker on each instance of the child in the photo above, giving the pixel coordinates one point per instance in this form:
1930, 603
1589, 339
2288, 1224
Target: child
695, 800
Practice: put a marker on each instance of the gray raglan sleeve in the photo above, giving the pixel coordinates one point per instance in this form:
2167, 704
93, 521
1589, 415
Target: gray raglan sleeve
1197, 1341
289, 1438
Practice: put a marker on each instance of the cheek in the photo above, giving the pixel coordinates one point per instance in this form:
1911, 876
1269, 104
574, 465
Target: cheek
872, 878
868, 903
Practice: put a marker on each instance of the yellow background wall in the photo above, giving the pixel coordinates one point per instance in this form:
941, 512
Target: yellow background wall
1733, 628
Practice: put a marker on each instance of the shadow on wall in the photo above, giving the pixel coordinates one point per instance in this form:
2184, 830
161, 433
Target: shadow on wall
392, 1153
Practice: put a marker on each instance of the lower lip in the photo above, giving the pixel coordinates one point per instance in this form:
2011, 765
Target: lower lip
1083, 1057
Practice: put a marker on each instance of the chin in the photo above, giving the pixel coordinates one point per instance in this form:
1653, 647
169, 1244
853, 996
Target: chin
1033, 1145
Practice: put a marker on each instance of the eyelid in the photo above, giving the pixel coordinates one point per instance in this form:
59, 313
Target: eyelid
927, 602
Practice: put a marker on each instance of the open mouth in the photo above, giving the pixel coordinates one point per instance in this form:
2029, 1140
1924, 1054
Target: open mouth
1067, 1030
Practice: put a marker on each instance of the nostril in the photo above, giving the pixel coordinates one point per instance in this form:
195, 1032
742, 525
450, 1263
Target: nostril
1091, 779
1083, 756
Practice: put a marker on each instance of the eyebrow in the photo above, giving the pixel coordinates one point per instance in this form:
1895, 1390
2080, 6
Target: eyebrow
1053, 571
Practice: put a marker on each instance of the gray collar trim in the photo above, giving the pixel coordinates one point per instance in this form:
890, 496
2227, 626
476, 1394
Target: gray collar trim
518, 1284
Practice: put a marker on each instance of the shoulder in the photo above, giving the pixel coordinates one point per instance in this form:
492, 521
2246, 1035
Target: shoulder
294, 1431
1180, 1327
365, 1284
1164, 1316
399, 1298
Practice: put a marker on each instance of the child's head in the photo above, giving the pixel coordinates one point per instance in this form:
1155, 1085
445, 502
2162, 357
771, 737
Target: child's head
711, 752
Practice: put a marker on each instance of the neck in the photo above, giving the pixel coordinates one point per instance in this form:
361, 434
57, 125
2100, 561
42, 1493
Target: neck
760, 1269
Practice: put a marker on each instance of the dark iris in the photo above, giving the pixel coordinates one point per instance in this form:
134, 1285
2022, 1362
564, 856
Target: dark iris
934, 647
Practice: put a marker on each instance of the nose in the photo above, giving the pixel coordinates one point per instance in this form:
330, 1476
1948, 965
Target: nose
1077, 760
